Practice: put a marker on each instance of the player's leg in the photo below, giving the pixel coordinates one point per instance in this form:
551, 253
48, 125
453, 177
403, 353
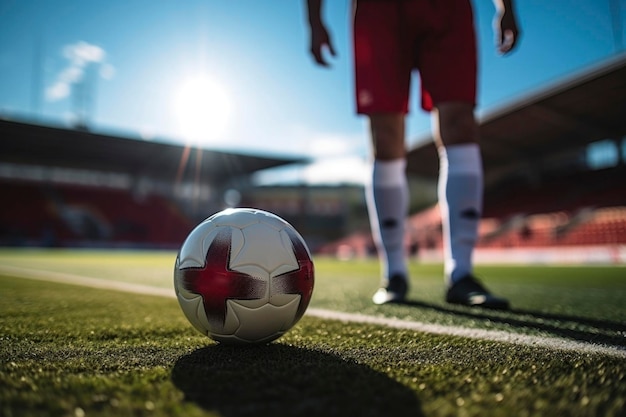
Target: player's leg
447, 65
460, 185
460, 191
382, 77
387, 197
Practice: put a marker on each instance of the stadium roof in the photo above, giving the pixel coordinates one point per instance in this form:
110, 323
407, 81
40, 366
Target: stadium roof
58, 147
540, 127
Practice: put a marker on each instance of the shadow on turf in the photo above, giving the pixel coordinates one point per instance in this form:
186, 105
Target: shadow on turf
539, 321
279, 380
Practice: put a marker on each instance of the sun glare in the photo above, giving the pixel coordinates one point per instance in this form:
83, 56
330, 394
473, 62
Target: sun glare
203, 109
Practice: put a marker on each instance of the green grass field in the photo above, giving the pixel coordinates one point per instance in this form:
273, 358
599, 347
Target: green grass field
70, 350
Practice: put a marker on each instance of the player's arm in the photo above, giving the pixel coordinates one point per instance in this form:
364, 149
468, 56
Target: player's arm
319, 36
505, 26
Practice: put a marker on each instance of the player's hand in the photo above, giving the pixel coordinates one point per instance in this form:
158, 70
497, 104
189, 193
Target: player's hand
321, 42
506, 31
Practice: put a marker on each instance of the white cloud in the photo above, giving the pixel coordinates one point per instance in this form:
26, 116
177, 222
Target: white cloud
57, 91
332, 145
330, 171
79, 55
344, 170
71, 75
323, 144
82, 53
336, 158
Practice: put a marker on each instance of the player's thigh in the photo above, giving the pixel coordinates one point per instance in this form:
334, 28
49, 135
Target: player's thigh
382, 69
447, 61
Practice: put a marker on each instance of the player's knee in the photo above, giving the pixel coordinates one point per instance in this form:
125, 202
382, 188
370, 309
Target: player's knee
387, 132
457, 124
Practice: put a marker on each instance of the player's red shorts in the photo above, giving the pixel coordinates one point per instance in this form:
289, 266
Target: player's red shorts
394, 37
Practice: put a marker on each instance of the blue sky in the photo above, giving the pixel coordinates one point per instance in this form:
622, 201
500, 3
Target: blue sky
135, 58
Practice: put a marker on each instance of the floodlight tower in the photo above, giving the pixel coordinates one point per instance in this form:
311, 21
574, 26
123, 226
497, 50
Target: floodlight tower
36, 82
83, 95
616, 25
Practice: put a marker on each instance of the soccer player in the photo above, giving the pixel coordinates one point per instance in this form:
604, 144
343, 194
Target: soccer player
391, 38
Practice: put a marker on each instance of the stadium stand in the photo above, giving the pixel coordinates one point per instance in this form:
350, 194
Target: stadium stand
67, 187
121, 217
37, 214
26, 216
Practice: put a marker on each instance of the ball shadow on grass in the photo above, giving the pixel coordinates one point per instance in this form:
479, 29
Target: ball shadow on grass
283, 380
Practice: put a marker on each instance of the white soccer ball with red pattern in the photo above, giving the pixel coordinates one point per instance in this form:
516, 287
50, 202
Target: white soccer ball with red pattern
244, 276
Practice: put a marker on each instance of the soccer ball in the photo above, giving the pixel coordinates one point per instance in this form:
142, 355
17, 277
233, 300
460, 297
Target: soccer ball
244, 276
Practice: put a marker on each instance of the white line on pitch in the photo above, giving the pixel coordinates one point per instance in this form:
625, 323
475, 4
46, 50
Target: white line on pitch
479, 334
103, 284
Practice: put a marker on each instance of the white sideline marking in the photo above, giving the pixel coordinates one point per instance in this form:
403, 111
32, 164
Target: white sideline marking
103, 284
479, 334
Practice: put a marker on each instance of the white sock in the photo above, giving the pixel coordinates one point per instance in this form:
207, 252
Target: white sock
387, 199
460, 192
